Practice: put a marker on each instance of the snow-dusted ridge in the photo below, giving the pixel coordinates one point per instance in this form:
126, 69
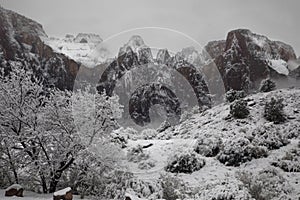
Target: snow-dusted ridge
79, 48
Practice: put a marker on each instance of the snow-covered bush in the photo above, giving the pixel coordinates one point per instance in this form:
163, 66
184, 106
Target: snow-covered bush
137, 154
222, 189
151, 190
267, 85
115, 184
291, 131
290, 162
240, 150
208, 146
163, 126
232, 95
148, 134
186, 162
273, 111
266, 184
94, 167
119, 137
172, 187
239, 109
268, 137
147, 164
188, 113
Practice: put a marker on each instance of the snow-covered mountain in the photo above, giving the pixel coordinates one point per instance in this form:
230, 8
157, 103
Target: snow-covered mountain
79, 48
192, 56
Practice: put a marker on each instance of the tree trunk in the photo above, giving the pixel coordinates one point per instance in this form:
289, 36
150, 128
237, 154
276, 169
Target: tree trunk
54, 181
57, 174
12, 165
44, 184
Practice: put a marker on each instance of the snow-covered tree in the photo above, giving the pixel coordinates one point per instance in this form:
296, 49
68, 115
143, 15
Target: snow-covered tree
38, 126
38, 131
94, 114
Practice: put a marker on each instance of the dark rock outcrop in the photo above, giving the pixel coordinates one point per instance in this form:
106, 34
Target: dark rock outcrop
21, 44
215, 48
148, 95
249, 58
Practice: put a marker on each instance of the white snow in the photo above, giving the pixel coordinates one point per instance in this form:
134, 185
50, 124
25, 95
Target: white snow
279, 65
74, 49
14, 186
260, 41
62, 192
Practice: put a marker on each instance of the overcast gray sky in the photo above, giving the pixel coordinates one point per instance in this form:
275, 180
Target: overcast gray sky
202, 20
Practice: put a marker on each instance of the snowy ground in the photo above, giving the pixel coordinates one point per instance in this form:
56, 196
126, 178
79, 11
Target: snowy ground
213, 122
32, 196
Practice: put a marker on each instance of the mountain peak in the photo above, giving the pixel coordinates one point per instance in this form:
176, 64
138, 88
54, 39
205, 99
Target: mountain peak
88, 38
135, 44
163, 56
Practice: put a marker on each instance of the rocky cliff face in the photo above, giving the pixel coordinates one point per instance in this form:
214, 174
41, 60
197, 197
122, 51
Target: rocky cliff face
215, 48
135, 69
248, 58
20, 41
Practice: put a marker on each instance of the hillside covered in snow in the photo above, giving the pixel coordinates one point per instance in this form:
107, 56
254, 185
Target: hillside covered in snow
249, 158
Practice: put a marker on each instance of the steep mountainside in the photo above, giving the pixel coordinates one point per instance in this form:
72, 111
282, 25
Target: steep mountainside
215, 48
21, 44
248, 58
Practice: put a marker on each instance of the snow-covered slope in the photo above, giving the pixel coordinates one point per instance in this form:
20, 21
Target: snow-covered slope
216, 179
